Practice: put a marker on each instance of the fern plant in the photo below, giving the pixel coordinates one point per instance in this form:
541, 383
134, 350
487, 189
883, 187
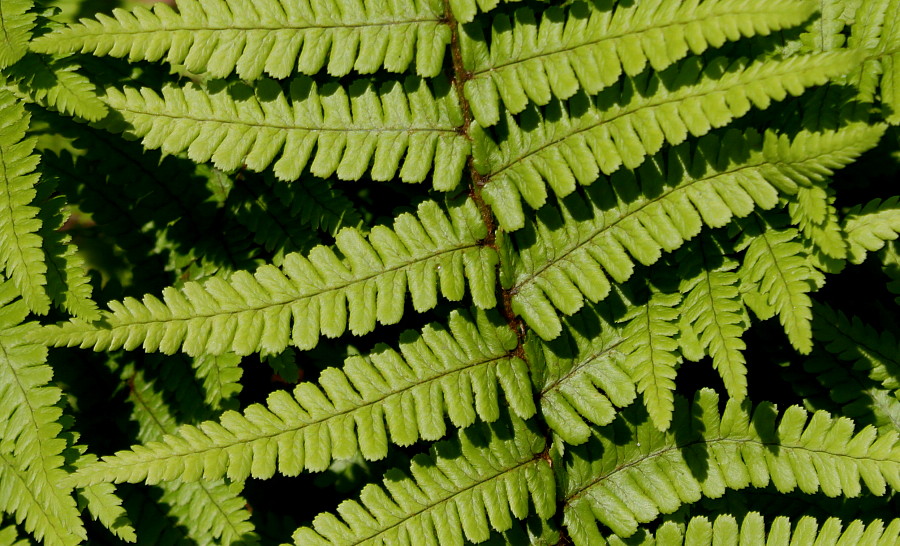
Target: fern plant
449, 272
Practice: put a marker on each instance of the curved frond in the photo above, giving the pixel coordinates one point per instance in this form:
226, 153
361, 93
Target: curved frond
348, 132
573, 143
712, 306
105, 506
275, 37
575, 249
20, 244
56, 84
776, 266
651, 353
391, 396
851, 340
459, 491
332, 289
588, 45
581, 375
869, 227
630, 472
31, 458
754, 529
16, 22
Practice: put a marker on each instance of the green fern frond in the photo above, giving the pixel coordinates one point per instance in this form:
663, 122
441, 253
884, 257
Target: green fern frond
210, 511
31, 458
464, 11
754, 529
651, 353
826, 31
319, 205
775, 266
9, 536
617, 225
336, 131
629, 472
221, 379
56, 84
588, 45
20, 244
460, 491
387, 397
272, 36
812, 209
105, 506
866, 348
629, 121
350, 285
68, 284
869, 227
713, 308
581, 374
16, 23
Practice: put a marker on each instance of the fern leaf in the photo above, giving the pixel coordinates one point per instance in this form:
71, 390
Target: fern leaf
56, 84
319, 205
812, 209
268, 36
350, 286
390, 396
853, 341
30, 446
713, 307
105, 506
221, 379
826, 32
629, 472
581, 375
16, 22
589, 45
20, 244
627, 122
775, 263
651, 353
754, 529
461, 490
617, 225
349, 129
210, 511
9, 536
464, 11
869, 227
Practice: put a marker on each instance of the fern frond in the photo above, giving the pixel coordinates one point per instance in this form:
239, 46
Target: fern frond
458, 492
630, 472
9, 536
221, 379
812, 209
776, 266
869, 227
319, 205
826, 32
617, 225
272, 36
629, 121
20, 244
350, 285
30, 446
389, 396
853, 341
464, 11
651, 353
16, 23
210, 511
105, 506
336, 131
581, 374
754, 529
588, 45
56, 84
712, 306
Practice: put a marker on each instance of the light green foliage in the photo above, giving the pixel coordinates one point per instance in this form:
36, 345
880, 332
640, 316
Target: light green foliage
630, 472
435, 272
277, 37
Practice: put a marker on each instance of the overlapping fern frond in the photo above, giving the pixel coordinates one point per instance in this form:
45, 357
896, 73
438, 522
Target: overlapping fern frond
588, 45
632, 472
16, 23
